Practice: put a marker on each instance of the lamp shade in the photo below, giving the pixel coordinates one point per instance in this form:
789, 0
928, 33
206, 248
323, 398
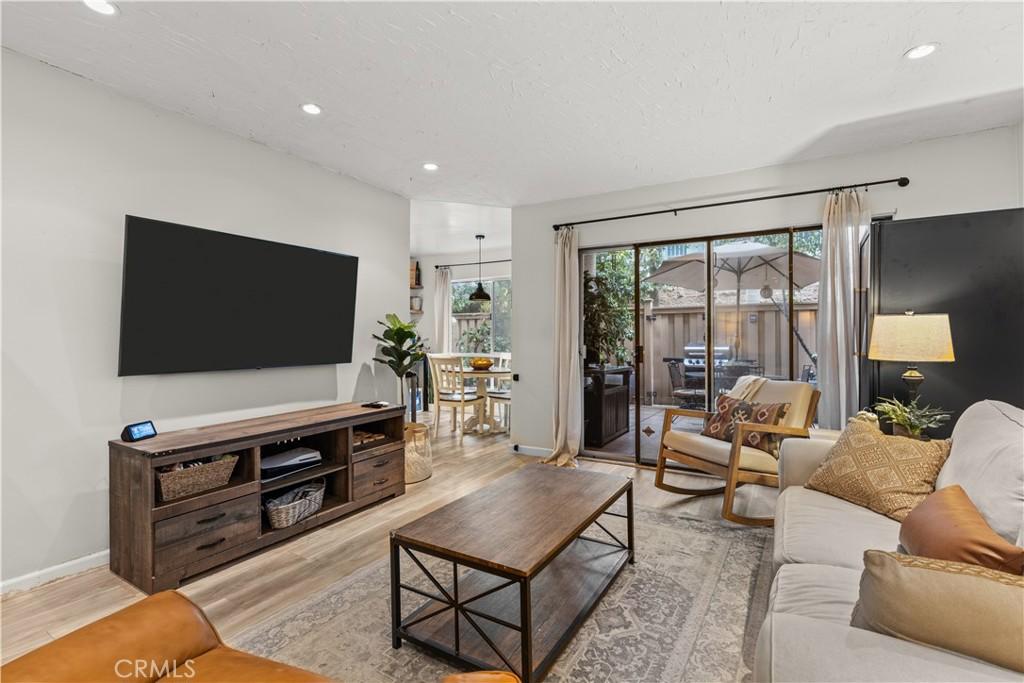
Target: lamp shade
911, 338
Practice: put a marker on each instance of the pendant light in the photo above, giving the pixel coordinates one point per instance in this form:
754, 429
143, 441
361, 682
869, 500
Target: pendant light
479, 294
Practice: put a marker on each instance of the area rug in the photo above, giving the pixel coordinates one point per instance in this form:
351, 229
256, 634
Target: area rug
688, 610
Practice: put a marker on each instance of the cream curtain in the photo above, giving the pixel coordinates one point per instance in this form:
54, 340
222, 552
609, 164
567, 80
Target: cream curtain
442, 342
568, 390
847, 217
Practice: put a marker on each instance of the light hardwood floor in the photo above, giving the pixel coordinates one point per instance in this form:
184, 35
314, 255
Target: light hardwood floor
254, 589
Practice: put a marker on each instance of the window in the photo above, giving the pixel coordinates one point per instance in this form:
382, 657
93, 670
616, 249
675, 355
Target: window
482, 326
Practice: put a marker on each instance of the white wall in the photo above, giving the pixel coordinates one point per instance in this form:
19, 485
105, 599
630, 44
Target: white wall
427, 263
975, 172
76, 158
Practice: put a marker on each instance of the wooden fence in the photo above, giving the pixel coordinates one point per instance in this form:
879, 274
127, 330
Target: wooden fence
462, 322
667, 331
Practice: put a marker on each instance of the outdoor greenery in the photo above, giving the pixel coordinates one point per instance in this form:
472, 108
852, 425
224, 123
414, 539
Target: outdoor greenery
914, 418
494, 335
804, 241
401, 346
607, 325
476, 339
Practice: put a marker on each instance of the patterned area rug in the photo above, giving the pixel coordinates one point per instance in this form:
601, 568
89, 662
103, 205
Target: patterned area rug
688, 610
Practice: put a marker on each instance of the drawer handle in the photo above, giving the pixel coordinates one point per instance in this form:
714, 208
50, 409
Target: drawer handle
207, 546
212, 519
382, 463
380, 482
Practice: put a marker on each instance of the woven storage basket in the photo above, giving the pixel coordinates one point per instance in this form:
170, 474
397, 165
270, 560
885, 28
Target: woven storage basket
193, 480
295, 505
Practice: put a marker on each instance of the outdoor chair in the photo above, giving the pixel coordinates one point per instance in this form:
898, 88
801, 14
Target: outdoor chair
736, 463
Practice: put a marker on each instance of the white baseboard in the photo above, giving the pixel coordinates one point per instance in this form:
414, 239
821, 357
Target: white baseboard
57, 571
532, 450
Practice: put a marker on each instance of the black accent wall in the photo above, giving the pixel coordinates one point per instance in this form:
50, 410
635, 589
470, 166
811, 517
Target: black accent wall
970, 266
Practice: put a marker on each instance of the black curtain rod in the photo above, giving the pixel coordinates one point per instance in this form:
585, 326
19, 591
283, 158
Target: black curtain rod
471, 263
901, 181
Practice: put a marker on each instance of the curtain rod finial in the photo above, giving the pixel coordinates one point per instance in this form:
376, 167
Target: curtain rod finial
903, 181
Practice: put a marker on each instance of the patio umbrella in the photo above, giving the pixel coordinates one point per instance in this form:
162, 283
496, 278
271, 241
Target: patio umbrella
736, 263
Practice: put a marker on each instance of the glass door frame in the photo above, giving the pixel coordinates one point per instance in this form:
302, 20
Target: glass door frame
639, 343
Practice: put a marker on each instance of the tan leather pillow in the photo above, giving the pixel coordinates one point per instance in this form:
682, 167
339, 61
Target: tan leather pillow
947, 526
887, 474
963, 608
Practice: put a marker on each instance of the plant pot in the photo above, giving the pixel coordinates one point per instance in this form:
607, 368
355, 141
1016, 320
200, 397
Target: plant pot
900, 430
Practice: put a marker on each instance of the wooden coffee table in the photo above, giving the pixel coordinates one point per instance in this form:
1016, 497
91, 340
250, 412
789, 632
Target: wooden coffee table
523, 574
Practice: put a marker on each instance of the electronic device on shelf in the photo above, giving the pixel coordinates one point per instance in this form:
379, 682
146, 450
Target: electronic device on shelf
376, 404
138, 431
291, 461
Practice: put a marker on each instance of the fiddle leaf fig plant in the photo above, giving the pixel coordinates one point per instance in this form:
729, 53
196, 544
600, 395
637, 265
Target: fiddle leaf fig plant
910, 416
401, 345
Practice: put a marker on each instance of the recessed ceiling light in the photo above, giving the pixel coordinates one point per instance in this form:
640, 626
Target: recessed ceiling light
920, 51
311, 108
101, 6
430, 166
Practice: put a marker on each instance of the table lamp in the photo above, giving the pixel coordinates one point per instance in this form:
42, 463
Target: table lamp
912, 339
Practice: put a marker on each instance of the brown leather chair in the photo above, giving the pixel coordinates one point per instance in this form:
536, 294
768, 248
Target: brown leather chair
482, 677
163, 637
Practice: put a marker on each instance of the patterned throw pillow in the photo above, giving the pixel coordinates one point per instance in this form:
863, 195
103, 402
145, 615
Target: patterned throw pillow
729, 411
887, 474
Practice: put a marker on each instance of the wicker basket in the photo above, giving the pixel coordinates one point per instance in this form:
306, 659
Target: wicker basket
193, 480
295, 505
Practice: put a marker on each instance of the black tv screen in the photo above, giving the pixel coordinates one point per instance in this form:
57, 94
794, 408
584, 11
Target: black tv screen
194, 300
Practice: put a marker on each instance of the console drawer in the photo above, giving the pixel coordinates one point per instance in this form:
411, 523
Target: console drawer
193, 524
381, 472
190, 537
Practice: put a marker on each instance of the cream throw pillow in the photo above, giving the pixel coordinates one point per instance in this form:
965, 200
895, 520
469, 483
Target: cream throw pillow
887, 474
963, 608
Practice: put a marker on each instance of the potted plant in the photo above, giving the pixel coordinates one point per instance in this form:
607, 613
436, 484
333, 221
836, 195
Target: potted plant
402, 347
607, 320
910, 419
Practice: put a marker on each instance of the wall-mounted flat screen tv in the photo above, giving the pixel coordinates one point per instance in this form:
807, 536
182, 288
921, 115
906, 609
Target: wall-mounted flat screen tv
194, 300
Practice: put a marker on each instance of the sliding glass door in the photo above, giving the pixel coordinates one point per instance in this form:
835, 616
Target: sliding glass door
648, 319
673, 329
608, 290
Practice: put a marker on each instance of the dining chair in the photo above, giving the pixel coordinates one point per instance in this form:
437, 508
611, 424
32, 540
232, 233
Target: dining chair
500, 391
736, 463
450, 390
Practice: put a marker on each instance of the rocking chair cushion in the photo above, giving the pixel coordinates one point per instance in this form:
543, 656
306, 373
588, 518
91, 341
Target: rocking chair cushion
729, 411
718, 452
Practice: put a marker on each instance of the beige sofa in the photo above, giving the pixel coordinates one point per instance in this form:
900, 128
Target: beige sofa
818, 550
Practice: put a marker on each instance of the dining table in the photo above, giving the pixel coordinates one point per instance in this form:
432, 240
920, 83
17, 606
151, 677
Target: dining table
484, 419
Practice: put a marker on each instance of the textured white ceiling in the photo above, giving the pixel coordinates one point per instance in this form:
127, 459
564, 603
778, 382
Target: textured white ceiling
450, 228
525, 102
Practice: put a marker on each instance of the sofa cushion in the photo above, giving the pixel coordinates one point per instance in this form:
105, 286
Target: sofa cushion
816, 528
964, 608
987, 460
948, 526
815, 590
716, 451
792, 647
888, 474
